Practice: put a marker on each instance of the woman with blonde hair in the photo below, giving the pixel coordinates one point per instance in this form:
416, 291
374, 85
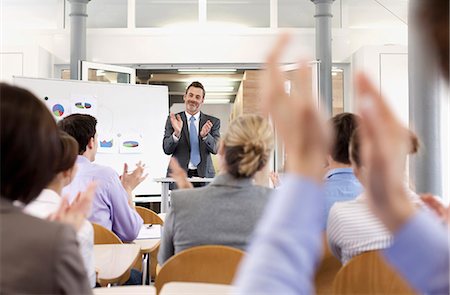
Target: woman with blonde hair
226, 211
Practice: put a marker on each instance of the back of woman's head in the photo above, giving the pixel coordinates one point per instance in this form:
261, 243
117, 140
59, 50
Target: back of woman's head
355, 146
247, 145
29, 144
69, 152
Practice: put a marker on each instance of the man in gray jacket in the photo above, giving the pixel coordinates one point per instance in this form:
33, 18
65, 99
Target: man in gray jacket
192, 136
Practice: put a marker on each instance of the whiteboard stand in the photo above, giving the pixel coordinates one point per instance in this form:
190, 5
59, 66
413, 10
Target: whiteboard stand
165, 183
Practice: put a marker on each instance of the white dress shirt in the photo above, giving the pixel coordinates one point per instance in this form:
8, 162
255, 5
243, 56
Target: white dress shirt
197, 123
47, 203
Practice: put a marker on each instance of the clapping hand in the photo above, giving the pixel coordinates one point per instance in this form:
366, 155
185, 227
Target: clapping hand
131, 180
206, 129
179, 174
177, 124
385, 145
295, 116
76, 213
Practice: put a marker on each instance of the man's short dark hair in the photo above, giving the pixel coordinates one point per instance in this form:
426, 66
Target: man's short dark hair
81, 127
196, 84
342, 126
29, 144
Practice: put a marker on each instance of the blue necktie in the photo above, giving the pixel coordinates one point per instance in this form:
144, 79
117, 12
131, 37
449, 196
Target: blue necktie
193, 137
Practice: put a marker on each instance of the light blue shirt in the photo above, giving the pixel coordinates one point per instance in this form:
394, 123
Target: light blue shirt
289, 233
110, 206
340, 185
420, 253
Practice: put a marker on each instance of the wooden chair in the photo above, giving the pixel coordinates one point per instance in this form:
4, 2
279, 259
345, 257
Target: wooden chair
103, 235
368, 273
150, 217
327, 270
205, 264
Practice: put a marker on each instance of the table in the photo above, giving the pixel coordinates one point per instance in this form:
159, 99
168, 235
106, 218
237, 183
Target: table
114, 262
165, 182
148, 248
188, 288
120, 290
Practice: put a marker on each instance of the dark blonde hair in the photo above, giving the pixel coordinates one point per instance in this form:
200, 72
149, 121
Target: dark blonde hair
248, 143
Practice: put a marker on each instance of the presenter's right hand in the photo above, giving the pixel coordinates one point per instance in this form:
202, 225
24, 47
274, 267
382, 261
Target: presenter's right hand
177, 124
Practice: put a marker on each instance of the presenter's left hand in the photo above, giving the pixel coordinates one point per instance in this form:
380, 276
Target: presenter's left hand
206, 129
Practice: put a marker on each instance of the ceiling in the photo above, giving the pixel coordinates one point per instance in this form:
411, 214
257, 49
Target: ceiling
220, 84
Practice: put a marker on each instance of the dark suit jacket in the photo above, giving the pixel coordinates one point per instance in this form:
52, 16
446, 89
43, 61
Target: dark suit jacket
181, 149
38, 256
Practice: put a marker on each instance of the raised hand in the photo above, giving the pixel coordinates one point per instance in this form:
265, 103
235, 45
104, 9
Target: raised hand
131, 180
385, 145
177, 124
206, 128
435, 204
179, 174
295, 116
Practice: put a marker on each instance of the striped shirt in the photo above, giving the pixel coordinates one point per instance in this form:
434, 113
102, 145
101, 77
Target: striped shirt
352, 229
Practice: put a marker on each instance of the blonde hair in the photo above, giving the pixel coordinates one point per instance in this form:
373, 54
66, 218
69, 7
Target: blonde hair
247, 144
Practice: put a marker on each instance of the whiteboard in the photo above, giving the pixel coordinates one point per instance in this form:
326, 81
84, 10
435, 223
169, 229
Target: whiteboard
131, 120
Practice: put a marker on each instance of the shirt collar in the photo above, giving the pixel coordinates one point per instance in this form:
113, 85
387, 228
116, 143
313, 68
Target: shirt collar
196, 116
332, 172
49, 196
82, 160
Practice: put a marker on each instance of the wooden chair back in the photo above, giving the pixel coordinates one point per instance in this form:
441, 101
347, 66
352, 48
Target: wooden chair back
149, 216
368, 273
103, 235
327, 270
205, 264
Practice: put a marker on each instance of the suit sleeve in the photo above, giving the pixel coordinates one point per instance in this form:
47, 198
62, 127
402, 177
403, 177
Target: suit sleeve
169, 144
70, 272
166, 248
212, 139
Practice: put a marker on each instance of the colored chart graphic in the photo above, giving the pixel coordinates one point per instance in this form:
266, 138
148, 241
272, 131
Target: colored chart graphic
130, 144
85, 105
106, 143
58, 110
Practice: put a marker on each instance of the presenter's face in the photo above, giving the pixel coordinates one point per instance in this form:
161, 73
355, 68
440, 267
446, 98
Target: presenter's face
193, 100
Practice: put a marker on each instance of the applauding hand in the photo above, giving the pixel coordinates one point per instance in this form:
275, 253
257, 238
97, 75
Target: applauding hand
179, 174
177, 124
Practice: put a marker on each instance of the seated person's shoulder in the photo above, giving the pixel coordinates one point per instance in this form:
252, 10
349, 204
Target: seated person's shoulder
103, 172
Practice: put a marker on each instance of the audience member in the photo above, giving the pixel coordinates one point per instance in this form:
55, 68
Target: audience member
226, 211
352, 227
420, 251
113, 206
340, 183
49, 200
36, 256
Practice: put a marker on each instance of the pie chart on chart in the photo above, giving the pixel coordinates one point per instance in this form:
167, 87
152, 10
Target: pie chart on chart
58, 110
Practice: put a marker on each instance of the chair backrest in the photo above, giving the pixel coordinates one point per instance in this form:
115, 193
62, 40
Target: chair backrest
103, 235
327, 270
205, 264
149, 216
368, 273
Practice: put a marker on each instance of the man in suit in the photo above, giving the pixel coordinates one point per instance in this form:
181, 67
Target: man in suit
191, 136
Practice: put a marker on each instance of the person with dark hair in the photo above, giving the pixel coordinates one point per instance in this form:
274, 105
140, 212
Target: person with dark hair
113, 205
192, 136
352, 228
50, 199
48, 253
340, 182
226, 211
